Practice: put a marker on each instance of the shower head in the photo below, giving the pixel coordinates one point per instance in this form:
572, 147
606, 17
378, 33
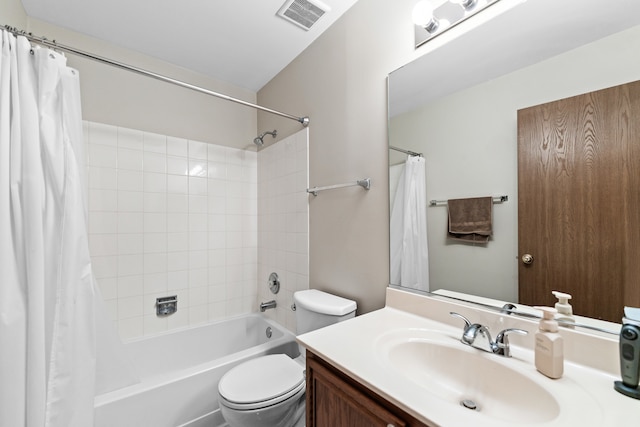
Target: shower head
258, 140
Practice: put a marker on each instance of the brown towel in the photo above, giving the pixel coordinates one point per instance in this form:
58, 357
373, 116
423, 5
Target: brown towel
470, 219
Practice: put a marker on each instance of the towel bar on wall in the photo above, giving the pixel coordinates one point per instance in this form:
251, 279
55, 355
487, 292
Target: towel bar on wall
495, 199
364, 183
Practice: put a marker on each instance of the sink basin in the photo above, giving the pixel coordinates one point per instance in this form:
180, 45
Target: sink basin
460, 375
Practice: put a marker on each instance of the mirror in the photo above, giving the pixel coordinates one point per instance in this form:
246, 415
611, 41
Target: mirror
457, 106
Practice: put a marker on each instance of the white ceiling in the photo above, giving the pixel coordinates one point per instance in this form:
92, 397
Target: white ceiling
240, 42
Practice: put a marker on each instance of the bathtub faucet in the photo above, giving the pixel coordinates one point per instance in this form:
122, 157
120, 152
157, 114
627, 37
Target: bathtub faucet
267, 305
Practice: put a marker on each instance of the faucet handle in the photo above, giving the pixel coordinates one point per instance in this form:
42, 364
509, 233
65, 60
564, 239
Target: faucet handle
466, 321
502, 341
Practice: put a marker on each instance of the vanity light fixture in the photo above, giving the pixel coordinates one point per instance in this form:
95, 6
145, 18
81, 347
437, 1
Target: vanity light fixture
433, 17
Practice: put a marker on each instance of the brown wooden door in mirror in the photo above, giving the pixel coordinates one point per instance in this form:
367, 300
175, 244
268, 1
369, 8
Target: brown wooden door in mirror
579, 201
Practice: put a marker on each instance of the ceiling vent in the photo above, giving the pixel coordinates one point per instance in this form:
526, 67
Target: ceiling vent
303, 13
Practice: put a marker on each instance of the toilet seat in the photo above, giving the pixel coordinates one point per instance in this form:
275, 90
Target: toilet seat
261, 382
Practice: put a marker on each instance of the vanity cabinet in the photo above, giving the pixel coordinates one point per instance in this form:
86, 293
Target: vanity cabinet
335, 400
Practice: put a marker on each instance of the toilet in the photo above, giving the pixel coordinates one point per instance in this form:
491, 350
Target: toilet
269, 391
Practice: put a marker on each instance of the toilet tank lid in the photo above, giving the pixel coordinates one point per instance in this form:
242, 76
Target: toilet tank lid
324, 303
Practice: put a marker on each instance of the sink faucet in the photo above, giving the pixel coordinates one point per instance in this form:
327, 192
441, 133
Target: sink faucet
478, 336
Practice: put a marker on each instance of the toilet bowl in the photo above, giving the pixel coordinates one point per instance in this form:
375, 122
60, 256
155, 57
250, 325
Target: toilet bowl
265, 391
269, 391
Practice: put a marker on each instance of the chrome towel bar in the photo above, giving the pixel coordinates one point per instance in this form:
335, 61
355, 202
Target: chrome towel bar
364, 183
496, 199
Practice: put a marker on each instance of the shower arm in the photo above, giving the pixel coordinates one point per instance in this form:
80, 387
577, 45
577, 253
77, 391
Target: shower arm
52, 44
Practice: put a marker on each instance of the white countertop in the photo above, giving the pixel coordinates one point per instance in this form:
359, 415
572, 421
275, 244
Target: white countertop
585, 395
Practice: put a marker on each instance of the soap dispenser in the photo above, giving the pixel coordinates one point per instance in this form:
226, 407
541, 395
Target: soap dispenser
549, 357
565, 311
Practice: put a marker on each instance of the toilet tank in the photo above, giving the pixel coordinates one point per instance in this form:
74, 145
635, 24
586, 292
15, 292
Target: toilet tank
316, 309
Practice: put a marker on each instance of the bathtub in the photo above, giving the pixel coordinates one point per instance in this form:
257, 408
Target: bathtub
180, 370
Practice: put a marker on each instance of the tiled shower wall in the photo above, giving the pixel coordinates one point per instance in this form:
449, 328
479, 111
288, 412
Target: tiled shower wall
283, 223
168, 216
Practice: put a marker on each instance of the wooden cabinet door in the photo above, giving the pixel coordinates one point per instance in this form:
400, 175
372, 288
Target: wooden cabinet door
335, 401
579, 201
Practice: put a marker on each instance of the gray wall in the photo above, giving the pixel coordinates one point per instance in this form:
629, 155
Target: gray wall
12, 13
121, 98
340, 82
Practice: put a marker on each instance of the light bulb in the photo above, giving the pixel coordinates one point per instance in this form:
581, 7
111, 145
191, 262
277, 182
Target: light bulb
422, 16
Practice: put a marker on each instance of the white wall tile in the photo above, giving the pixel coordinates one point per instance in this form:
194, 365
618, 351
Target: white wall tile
130, 222
130, 328
102, 134
130, 286
103, 200
155, 222
155, 263
177, 261
177, 184
130, 307
130, 201
103, 178
108, 288
103, 244
177, 166
198, 186
155, 242
171, 216
155, 143
155, 162
177, 280
198, 204
130, 138
177, 242
198, 167
177, 222
103, 222
154, 202
102, 156
129, 180
130, 243
155, 283
217, 170
198, 150
129, 159
177, 147
131, 264
155, 182
217, 153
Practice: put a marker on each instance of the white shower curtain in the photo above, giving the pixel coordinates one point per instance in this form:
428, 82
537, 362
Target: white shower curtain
409, 260
47, 291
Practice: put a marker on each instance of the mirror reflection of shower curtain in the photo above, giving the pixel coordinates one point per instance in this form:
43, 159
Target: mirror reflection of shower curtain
409, 262
48, 298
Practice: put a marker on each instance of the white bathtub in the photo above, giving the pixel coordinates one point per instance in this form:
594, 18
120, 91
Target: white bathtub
180, 370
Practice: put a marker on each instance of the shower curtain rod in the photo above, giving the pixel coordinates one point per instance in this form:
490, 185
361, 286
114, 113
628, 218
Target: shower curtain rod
56, 46
402, 150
